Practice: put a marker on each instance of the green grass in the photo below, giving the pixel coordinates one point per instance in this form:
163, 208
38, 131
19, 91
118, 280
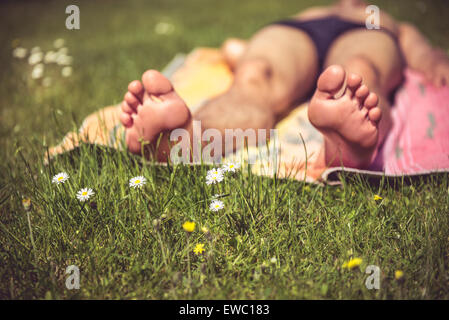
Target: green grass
311, 231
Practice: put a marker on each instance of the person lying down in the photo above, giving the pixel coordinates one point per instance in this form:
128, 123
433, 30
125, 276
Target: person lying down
323, 54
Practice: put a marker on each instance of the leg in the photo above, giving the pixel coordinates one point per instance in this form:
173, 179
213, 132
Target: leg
375, 58
277, 69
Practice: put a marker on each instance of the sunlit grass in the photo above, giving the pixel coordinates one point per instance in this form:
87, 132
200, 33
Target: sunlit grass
273, 238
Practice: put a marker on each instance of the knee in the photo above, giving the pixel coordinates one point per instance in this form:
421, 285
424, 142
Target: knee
253, 71
364, 68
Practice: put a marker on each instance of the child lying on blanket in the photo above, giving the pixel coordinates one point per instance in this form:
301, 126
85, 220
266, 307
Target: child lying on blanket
325, 54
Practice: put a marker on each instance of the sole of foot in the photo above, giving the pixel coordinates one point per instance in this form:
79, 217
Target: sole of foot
349, 123
151, 107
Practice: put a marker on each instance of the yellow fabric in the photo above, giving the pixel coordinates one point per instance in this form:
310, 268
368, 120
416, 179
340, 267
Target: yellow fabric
203, 75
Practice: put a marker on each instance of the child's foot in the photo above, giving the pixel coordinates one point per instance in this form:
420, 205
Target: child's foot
349, 123
149, 108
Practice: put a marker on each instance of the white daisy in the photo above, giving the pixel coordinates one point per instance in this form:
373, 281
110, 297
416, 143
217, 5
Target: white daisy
231, 167
38, 71
58, 43
216, 205
60, 178
35, 49
137, 182
214, 176
19, 52
35, 57
50, 57
63, 60
164, 28
84, 194
66, 71
63, 51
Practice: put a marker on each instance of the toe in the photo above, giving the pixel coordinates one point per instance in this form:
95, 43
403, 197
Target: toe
136, 88
352, 84
155, 83
126, 108
133, 141
330, 81
361, 93
131, 100
371, 101
126, 119
375, 114
364, 112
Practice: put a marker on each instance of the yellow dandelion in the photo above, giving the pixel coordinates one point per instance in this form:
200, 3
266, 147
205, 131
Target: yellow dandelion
353, 263
199, 248
189, 226
207, 233
377, 197
398, 274
26, 204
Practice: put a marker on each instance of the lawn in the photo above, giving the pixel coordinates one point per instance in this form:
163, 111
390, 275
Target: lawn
274, 239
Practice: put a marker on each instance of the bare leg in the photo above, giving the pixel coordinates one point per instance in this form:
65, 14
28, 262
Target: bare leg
277, 69
375, 58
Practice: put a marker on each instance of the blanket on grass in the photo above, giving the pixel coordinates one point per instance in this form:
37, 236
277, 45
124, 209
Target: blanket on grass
417, 145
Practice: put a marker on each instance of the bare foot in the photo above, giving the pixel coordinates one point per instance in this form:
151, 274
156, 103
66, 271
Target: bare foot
149, 108
348, 123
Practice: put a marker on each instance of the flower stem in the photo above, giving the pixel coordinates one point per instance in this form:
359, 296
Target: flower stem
162, 248
31, 236
189, 275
